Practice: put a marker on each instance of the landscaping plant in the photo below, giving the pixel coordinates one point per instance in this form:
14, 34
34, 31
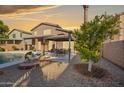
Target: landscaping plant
3, 30
91, 35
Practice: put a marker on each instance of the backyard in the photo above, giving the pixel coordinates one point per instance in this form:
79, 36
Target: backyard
89, 58
56, 74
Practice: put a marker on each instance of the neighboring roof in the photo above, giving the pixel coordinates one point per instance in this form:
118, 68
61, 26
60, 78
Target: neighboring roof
46, 23
20, 31
11, 39
31, 37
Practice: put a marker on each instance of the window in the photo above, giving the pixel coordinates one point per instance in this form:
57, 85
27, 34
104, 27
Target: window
2, 42
47, 32
20, 34
14, 35
35, 33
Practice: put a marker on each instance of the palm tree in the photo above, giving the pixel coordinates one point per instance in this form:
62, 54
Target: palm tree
85, 13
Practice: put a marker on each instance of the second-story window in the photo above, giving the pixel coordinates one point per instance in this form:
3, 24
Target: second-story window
47, 32
20, 34
35, 33
14, 35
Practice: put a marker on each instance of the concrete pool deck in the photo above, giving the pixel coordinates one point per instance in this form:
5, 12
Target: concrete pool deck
53, 74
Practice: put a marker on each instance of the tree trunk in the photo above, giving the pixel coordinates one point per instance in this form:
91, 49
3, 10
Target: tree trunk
90, 64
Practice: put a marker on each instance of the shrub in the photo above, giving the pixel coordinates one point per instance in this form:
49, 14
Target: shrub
15, 48
2, 49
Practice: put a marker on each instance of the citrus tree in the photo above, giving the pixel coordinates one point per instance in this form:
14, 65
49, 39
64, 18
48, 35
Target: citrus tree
3, 30
91, 35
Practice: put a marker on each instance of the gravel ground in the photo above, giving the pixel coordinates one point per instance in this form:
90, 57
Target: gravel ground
70, 78
117, 72
59, 75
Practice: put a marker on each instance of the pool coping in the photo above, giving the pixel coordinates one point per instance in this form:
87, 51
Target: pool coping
10, 64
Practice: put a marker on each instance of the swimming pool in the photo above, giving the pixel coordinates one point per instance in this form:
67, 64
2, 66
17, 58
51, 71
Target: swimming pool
11, 58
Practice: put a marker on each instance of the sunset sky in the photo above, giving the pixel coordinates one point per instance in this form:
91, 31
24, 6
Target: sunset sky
68, 16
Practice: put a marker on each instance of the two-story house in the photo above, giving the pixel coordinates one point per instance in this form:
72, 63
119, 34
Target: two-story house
44, 30
15, 39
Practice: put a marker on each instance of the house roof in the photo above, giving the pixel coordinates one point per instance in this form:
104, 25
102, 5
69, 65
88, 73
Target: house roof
46, 23
20, 31
52, 37
64, 30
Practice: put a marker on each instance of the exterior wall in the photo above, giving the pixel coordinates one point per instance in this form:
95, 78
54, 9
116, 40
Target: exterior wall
66, 45
28, 41
50, 45
121, 34
59, 45
8, 47
17, 33
114, 51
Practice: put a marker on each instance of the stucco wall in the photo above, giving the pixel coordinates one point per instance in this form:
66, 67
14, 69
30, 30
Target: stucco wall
121, 34
114, 51
8, 47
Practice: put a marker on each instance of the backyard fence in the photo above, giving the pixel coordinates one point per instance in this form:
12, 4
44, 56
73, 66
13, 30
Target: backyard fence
114, 52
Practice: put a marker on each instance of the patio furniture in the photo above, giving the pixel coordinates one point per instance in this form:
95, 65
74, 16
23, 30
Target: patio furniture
28, 65
32, 56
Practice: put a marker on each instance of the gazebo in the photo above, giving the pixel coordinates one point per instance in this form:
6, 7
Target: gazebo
57, 38
60, 38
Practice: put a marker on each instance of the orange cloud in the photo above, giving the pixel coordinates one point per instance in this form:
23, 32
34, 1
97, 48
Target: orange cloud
12, 10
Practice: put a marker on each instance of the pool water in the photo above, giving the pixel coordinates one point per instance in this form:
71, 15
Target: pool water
11, 57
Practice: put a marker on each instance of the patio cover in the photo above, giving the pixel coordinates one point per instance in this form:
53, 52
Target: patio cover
59, 38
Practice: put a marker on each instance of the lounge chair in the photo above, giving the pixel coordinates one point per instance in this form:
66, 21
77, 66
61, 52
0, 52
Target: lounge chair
28, 65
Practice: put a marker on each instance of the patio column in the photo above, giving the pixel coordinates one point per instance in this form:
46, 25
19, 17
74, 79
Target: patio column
13, 41
69, 48
43, 46
23, 43
6, 42
36, 43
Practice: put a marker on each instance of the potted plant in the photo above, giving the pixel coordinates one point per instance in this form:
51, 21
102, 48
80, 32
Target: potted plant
91, 35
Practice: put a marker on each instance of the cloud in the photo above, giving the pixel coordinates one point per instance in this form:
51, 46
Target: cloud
24, 9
